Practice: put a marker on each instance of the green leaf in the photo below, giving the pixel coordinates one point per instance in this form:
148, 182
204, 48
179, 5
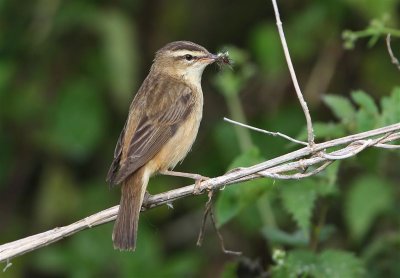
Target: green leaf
328, 264
298, 199
233, 199
367, 198
326, 181
298, 263
339, 264
277, 236
228, 204
365, 102
364, 121
341, 108
391, 107
324, 131
367, 116
328, 130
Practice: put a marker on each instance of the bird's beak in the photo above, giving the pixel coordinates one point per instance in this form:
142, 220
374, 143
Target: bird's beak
209, 59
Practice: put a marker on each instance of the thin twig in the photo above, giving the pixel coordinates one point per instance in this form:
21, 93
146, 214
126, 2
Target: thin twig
204, 221
221, 238
310, 131
317, 159
296, 176
208, 211
282, 164
393, 58
347, 154
266, 131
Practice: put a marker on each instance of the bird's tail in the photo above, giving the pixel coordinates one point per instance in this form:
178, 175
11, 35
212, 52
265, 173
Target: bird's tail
126, 225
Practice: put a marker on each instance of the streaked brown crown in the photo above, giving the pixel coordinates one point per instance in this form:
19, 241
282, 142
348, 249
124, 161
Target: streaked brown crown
182, 45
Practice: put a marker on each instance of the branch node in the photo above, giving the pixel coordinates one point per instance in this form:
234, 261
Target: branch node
392, 57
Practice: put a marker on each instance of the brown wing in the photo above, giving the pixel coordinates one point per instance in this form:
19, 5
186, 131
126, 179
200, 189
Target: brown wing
117, 158
163, 113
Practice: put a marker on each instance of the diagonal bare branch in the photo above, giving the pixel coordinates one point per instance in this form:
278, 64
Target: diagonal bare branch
293, 161
310, 131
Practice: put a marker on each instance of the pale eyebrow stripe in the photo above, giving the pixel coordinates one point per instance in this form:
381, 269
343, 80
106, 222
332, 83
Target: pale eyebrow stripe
184, 52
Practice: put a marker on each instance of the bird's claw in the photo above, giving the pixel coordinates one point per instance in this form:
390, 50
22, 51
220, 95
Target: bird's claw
199, 179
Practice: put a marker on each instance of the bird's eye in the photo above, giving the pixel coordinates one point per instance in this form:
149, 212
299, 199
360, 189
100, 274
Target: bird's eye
189, 57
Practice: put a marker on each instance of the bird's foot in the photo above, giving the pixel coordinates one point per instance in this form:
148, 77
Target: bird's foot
198, 178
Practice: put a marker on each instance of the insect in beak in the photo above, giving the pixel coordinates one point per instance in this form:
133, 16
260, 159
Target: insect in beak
222, 59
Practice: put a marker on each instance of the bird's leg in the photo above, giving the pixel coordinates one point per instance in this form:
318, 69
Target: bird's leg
184, 175
146, 197
198, 178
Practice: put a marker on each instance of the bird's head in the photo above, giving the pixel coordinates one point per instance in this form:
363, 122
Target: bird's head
183, 60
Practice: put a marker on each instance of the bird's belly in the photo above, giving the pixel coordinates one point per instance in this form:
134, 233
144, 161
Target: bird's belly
179, 145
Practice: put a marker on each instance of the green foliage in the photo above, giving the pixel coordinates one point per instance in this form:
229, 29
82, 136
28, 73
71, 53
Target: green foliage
68, 71
375, 30
364, 117
299, 238
368, 197
367, 116
327, 130
365, 102
234, 199
299, 200
81, 254
329, 264
391, 107
342, 108
299, 197
77, 122
383, 255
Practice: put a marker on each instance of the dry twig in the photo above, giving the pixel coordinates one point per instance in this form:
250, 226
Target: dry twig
310, 131
392, 57
208, 211
280, 165
266, 131
204, 221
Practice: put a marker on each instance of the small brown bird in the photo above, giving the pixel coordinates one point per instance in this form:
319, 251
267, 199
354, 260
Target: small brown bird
162, 124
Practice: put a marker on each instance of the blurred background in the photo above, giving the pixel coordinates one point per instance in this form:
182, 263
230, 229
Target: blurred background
69, 69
